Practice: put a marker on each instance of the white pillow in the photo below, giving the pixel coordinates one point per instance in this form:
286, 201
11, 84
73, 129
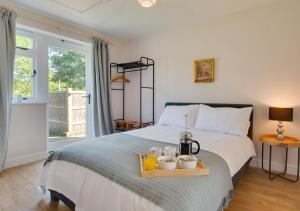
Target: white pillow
227, 120
175, 116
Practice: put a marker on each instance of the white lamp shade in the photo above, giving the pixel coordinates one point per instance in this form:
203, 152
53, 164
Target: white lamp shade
147, 3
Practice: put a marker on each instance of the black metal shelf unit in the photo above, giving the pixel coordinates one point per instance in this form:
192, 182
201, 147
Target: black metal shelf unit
143, 64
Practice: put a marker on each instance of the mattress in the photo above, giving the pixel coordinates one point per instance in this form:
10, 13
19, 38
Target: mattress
85, 187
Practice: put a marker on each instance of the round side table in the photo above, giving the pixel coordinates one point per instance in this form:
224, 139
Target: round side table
288, 142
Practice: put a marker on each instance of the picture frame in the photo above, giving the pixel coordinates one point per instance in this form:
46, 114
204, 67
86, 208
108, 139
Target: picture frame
204, 70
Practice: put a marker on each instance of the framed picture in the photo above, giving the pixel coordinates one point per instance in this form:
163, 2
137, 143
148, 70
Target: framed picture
204, 70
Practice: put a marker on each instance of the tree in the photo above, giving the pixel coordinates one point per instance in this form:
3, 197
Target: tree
22, 85
23, 42
67, 69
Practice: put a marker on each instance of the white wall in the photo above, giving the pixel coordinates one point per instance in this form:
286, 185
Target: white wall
257, 56
28, 134
118, 54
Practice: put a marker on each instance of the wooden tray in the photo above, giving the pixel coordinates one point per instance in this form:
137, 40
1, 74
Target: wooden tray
201, 169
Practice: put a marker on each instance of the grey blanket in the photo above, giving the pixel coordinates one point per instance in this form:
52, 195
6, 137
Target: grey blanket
116, 158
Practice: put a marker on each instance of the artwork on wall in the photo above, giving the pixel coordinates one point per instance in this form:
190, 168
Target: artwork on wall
204, 70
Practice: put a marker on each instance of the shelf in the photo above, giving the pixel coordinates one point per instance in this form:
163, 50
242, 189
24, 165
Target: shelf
144, 64
126, 125
132, 65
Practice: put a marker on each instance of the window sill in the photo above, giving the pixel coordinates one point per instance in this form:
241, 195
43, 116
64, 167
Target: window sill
31, 102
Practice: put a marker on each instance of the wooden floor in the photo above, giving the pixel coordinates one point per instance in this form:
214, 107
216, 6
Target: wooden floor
19, 191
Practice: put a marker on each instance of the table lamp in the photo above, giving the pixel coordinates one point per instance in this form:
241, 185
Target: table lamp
280, 115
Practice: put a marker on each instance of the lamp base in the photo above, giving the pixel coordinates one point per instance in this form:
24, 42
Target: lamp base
280, 131
280, 137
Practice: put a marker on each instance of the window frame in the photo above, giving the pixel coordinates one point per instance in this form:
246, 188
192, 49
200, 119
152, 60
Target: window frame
31, 53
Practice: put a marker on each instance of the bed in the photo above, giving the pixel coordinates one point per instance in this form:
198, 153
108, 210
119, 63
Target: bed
85, 189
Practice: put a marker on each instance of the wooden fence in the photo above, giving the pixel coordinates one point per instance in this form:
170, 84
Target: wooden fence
67, 113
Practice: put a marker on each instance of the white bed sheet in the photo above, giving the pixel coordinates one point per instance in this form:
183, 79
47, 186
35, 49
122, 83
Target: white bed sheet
235, 150
91, 191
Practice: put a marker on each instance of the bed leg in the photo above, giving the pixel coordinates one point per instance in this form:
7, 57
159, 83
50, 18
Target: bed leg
58, 197
53, 197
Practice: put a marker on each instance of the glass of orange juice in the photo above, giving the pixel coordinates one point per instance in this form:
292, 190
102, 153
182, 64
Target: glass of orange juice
150, 162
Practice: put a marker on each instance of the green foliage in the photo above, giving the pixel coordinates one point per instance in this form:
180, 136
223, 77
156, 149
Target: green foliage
57, 133
22, 85
23, 42
67, 69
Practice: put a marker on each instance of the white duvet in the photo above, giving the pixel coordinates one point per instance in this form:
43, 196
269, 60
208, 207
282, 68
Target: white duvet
91, 191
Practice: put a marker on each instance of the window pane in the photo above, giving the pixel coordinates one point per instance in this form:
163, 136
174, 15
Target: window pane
22, 77
23, 42
66, 92
66, 69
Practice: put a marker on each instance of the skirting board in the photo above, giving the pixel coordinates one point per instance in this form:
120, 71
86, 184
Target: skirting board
25, 159
291, 169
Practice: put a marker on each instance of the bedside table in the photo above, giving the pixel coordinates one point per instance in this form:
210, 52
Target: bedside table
287, 143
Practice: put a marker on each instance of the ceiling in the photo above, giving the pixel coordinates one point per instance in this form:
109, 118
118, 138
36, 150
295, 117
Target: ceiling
127, 19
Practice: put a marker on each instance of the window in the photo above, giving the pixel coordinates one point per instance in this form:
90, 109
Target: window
25, 67
23, 42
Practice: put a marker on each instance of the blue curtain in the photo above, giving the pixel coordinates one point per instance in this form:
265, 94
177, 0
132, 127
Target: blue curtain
103, 121
7, 57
